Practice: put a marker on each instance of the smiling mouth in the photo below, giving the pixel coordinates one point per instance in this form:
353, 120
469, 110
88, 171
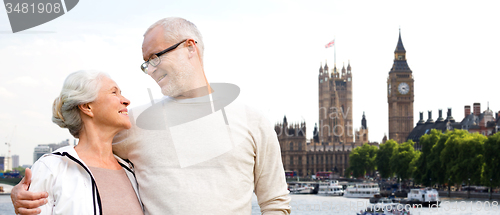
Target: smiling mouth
161, 78
123, 112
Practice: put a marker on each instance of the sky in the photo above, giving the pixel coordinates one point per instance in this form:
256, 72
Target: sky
271, 49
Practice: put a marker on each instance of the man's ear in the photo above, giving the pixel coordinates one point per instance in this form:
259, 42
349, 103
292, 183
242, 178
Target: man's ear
86, 109
191, 45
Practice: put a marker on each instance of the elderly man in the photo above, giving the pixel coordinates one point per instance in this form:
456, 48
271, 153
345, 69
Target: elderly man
197, 150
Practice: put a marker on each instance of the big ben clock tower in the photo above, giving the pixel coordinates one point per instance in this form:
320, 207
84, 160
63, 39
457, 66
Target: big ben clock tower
400, 93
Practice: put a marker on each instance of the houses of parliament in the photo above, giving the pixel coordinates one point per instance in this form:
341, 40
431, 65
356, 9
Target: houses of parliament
333, 137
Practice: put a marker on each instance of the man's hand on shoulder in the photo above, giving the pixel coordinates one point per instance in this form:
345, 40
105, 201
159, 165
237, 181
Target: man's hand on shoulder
26, 202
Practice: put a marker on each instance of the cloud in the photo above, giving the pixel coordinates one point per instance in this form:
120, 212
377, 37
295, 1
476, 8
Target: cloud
6, 116
25, 81
33, 114
4, 93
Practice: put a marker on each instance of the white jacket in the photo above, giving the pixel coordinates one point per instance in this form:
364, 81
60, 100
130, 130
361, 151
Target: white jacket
70, 184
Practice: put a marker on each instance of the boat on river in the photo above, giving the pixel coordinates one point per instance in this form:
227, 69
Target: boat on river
423, 196
302, 187
331, 188
362, 190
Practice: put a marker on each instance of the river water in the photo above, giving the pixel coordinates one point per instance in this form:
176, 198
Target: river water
327, 205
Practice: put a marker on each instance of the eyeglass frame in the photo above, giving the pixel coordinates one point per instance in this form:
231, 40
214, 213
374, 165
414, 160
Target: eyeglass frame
144, 66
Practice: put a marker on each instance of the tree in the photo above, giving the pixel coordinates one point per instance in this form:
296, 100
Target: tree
383, 159
463, 157
492, 161
434, 164
413, 164
362, 160
403, 155
422, 173
21, 170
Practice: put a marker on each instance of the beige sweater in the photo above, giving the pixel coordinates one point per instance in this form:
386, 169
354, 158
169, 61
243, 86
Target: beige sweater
190, 160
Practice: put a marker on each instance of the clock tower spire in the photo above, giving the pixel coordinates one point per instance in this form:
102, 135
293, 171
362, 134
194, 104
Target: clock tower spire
400, 94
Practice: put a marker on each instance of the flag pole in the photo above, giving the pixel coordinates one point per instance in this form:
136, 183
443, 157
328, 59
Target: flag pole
334, 53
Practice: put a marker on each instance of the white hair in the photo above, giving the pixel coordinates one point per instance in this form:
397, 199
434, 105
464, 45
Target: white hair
79, 88
177, 29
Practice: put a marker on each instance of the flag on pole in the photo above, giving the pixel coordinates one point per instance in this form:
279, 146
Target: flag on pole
330, 44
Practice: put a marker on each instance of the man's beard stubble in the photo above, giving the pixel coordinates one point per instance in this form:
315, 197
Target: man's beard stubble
178, 79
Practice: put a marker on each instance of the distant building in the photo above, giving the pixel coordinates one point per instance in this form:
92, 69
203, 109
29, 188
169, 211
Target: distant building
485, 123
42, 149
361, 133
2, 163
307, 157
400, 95
15, 161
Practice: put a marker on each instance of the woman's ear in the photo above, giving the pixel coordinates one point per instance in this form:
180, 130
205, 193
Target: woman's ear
86, 109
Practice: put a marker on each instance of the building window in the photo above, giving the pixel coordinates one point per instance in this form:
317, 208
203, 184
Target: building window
300, 146
300, 160
291, 160
291, 146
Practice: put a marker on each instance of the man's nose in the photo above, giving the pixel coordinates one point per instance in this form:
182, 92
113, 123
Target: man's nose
151, 69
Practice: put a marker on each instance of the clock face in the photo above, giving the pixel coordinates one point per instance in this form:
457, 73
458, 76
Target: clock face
403, 88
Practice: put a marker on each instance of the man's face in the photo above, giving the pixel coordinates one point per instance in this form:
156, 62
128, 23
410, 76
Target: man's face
174, 71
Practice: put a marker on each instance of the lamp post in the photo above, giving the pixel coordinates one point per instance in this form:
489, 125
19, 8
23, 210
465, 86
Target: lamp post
449, 185
468, 190
491, 188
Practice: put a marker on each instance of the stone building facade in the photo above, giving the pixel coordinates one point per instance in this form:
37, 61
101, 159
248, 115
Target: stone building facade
400, 96
333, 139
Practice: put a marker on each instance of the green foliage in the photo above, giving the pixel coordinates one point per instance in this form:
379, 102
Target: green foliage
401, 158
383, 159
413, 164
457, 156
462, 156
492, 161
454, 157
362, 160
422, 172
434, 165
21, 170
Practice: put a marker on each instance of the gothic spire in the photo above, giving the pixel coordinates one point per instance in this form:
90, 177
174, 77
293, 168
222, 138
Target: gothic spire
363, 121
400, 48
400, 64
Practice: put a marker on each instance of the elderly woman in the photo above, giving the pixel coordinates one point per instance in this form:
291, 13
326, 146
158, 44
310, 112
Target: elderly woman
88, 178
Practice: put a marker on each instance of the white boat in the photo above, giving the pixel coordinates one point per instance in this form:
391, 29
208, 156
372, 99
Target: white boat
424, 196
362, 190
301, 188
331, 188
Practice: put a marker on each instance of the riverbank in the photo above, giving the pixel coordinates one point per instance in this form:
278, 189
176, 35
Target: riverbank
465, 195
6, 189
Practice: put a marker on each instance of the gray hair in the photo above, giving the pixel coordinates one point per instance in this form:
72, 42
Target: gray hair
177, 29
79, 88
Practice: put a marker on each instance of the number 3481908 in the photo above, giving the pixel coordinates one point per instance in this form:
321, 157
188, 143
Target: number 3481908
33, 8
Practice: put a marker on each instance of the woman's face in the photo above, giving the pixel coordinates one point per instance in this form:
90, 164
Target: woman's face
110, 107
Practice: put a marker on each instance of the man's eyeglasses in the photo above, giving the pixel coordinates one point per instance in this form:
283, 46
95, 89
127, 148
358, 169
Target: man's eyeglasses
155, 60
